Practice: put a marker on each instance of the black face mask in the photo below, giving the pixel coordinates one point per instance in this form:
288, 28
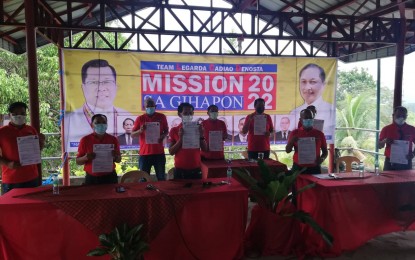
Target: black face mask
260, 110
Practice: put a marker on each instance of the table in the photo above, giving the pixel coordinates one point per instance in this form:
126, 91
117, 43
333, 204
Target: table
34, 224
357, 210
217, 168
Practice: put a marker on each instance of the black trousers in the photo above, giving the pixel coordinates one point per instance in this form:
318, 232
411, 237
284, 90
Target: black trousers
111, 178
388, 166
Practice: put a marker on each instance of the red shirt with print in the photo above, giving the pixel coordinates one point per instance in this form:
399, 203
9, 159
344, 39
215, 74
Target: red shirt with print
395, 132
258, 143
9, 150
86, 145
147, 149
186, 159
213, 125
319, 138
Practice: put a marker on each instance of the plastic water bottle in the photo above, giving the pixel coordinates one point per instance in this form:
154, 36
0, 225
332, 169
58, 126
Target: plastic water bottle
55, 184
229, 175
377, 173
361, 170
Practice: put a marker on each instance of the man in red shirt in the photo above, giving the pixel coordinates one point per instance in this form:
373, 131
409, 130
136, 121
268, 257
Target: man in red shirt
86, 154
398, 130
213, 126
14, 175
186, 160
151, 151
258, 140
307, 131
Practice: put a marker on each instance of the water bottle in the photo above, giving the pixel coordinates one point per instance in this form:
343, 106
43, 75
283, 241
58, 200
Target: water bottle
55, 184
361, 170
377, 173
229, 175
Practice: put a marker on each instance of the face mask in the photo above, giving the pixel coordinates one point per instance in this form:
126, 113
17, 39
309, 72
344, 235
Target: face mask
307, 123
150, 110
100, 128
400, 121
187, 119
18, 120
260, 110
213, 115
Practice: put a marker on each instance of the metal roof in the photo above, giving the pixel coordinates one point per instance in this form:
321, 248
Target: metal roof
350, 29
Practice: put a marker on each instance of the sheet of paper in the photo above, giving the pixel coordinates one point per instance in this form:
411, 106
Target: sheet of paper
191, 136
103, 160
306, 150
215, 141
399, 151
260, 124
152, 132
29, 149
318, 124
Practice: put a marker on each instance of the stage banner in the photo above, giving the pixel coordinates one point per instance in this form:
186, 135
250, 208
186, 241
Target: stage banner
117, 83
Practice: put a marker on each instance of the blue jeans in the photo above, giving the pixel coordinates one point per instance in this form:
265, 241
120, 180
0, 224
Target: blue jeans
157, 160
388, 166
111, 178
187, 174
5, 187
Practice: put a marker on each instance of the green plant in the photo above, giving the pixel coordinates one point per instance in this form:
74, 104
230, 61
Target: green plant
273, 192
123, 243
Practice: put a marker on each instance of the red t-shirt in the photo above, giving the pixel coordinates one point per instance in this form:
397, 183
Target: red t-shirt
8, 146
392, 131
213, 125
147, 149
86, 145
187, 159
319, 138
257, 143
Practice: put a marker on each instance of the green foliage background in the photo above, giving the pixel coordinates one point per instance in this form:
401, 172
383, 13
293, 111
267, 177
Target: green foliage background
355, 102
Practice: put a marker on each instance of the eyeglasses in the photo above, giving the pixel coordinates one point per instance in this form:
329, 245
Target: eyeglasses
105, 83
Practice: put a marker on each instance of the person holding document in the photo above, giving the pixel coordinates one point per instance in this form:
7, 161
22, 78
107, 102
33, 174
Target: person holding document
259, 127
19, 164
186, 141
307, 143
151, 128
215, 133
398, 138
98, 152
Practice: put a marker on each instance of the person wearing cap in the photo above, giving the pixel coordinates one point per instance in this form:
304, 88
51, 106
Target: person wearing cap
398, 130
15, 175
86, 154
151, 154
307, 131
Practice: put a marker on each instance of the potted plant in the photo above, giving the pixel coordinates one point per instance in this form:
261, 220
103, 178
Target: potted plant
123, 243
275, 221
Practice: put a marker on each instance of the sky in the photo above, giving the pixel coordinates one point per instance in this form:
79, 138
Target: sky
387, 72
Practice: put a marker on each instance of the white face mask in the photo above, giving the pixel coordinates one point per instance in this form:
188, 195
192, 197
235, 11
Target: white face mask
187, 119
400, 121
18, 120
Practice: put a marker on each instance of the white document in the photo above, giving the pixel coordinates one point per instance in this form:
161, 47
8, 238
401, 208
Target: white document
215, 141
103, 161
399, 151
152, 132
191, 136
307, 150
318, 124
260, 124
29, 150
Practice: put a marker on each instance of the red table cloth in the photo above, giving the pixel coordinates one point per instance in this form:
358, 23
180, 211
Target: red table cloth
217, 168
210, 221
356, 210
